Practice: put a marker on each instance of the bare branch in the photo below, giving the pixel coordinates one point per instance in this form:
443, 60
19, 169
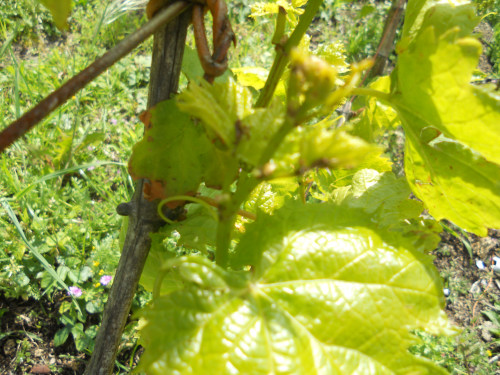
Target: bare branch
27, 121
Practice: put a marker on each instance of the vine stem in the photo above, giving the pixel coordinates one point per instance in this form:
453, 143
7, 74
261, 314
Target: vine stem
283, 53
228, 211
27, 121
229, 208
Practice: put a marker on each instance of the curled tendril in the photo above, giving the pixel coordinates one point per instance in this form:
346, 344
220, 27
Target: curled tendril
185, 198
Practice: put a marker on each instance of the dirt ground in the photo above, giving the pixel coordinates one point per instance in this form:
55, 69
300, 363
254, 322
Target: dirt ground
474, 285
26, 345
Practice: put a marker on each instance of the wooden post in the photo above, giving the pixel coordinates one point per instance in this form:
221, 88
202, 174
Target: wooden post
143, 218
386, 45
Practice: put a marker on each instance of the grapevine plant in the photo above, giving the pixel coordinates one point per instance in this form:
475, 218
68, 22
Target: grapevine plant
303, 253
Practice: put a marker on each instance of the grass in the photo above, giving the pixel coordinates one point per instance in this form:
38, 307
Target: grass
59, 186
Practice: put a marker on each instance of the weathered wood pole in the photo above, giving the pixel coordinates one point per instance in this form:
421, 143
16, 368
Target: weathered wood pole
168, 50
386, 45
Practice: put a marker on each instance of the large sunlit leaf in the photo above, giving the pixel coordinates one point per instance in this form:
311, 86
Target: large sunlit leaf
328, 294
448, 13
60, 10
454, 181
452, 128
433, 79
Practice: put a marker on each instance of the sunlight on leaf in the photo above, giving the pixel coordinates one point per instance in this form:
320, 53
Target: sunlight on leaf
319, 146
251, 76
218, 106
433, 78
170, 154
454, 182
326, 286
452, 128
376, 117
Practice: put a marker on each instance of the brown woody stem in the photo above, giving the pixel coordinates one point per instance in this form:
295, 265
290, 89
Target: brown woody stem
27, 121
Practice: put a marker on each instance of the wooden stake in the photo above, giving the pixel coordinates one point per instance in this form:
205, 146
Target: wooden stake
143, 218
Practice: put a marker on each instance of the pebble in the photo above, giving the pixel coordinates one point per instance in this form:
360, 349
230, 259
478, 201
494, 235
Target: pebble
496, 264
480, 264
40, 369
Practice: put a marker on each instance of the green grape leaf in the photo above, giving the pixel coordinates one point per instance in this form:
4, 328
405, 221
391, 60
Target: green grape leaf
376, 117
198, 230
452, 128
328, 294
267, 197
171, 154
255, 77
220, 168
259, 9
327, 181
159, 254
270, 196
453, 181
385, 199
443, 15
433, 79
219, 107
372, 190
60, 9
256, 130
251, 76
191, 66
334, 54
319, 146
383, 196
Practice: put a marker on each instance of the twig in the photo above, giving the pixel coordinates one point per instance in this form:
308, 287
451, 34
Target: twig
27, 121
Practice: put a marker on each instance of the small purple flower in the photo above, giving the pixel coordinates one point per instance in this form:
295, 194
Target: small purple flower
113, 121
74, 291
105, 280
